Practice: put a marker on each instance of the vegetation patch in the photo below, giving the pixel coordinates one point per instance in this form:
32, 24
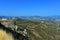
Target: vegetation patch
5, 36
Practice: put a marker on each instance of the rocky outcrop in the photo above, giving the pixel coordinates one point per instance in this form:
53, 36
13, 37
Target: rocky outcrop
16, 35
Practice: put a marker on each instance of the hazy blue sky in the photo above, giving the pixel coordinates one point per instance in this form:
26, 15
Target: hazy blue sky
29, 7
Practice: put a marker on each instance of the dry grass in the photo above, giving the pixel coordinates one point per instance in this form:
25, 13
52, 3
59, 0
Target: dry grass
5, 36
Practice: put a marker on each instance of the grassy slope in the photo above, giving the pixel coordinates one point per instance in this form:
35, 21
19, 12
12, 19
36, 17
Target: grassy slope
38, 30
5, 36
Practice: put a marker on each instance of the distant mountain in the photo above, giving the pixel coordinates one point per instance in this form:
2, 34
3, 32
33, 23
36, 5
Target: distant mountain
6, 16
33, 17
40, 17
56, 17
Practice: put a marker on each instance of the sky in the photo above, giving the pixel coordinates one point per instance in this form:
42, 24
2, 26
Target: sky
29, 7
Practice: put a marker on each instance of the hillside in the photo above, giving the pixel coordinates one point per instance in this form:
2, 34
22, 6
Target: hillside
41, 29
48, 29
